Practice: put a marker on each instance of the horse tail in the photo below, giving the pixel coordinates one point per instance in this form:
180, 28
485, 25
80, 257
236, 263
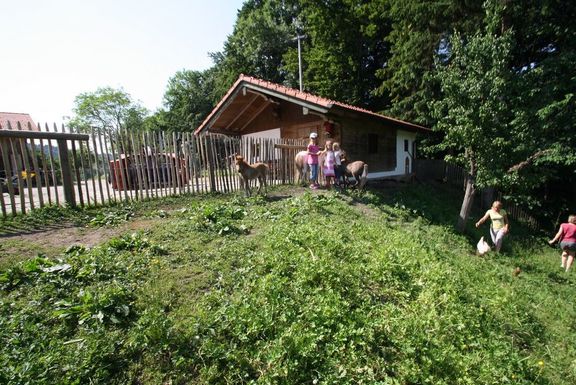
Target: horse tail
364, 177
297, 168
365, 172
301, 167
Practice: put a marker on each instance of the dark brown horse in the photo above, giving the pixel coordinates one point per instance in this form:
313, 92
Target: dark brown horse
359, 170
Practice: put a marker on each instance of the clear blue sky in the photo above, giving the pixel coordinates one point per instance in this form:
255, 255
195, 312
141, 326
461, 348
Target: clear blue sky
53, 50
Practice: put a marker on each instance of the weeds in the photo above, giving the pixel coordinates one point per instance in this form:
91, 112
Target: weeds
112, 216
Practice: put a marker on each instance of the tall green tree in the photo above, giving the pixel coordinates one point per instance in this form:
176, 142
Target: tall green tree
344, 49
475, 111
341, 52
420, 30
188, 99
107, 110
507, 112
543, 176
262, 34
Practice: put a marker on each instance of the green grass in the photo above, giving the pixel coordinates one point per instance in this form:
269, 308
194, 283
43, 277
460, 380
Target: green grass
316, 288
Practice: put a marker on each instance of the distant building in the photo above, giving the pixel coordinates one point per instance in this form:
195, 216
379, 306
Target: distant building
10, 120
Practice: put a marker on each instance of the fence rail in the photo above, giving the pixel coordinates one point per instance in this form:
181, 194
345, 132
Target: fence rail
42, 166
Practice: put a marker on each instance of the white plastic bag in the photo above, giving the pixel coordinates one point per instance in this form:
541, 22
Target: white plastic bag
482, 246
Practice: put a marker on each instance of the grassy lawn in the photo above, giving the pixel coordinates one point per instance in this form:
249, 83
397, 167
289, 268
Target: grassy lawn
316, 288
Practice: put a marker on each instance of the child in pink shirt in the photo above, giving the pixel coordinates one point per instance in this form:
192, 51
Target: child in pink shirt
313, 152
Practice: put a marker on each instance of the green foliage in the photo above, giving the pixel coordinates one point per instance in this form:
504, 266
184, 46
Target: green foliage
261, 35
507, 106
188, 99
40, 218
420, 29
474, 113
342, 49
107, 110
111, 216
221, 219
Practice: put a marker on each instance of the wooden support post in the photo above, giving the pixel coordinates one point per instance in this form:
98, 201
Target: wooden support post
67, 182
210, 165
4, 151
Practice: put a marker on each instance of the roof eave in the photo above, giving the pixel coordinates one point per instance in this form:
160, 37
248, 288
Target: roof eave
293, 99
243, 83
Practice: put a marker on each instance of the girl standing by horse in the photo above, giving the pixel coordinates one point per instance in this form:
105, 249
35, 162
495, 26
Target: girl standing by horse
329, 164
338, 167
313, 152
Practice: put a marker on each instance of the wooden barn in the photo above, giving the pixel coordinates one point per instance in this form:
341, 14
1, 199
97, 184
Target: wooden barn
254, 107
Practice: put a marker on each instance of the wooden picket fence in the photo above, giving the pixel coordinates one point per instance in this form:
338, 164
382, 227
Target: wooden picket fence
42, 166
439, 170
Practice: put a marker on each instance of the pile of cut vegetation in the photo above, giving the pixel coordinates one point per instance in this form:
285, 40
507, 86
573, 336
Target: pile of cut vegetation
320, 288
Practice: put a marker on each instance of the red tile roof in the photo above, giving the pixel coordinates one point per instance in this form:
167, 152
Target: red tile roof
303, 96
10, 120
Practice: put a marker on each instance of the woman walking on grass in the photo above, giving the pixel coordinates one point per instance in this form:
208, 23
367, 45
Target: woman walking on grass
500, 225
567, 237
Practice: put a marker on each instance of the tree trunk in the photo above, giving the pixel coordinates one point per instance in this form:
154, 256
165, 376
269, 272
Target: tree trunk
466, 204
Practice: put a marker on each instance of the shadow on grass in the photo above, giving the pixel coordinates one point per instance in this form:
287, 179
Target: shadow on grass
435, 202
559, 277
15, 229
440, 204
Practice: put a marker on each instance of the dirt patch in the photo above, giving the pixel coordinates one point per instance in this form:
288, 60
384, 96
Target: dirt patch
53, 242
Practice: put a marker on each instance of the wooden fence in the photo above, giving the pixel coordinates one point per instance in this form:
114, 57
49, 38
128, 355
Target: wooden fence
42, 166
439, 170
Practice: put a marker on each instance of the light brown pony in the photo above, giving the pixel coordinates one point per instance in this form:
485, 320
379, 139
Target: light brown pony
251, 171
301, 165
358, 170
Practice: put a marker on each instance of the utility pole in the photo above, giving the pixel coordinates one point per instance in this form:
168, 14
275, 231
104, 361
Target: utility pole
298, 38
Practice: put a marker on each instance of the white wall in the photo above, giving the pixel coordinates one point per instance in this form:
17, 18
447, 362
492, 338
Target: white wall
400, 156
269, 134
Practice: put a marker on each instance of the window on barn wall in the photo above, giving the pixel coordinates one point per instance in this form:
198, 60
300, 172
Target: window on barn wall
372, 143
405, 145
388, 150
377, 149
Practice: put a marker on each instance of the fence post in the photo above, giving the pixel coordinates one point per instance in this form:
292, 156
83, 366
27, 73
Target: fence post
67, 182
210, 164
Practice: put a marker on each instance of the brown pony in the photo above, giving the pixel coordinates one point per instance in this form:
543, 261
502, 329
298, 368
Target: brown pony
251, 171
